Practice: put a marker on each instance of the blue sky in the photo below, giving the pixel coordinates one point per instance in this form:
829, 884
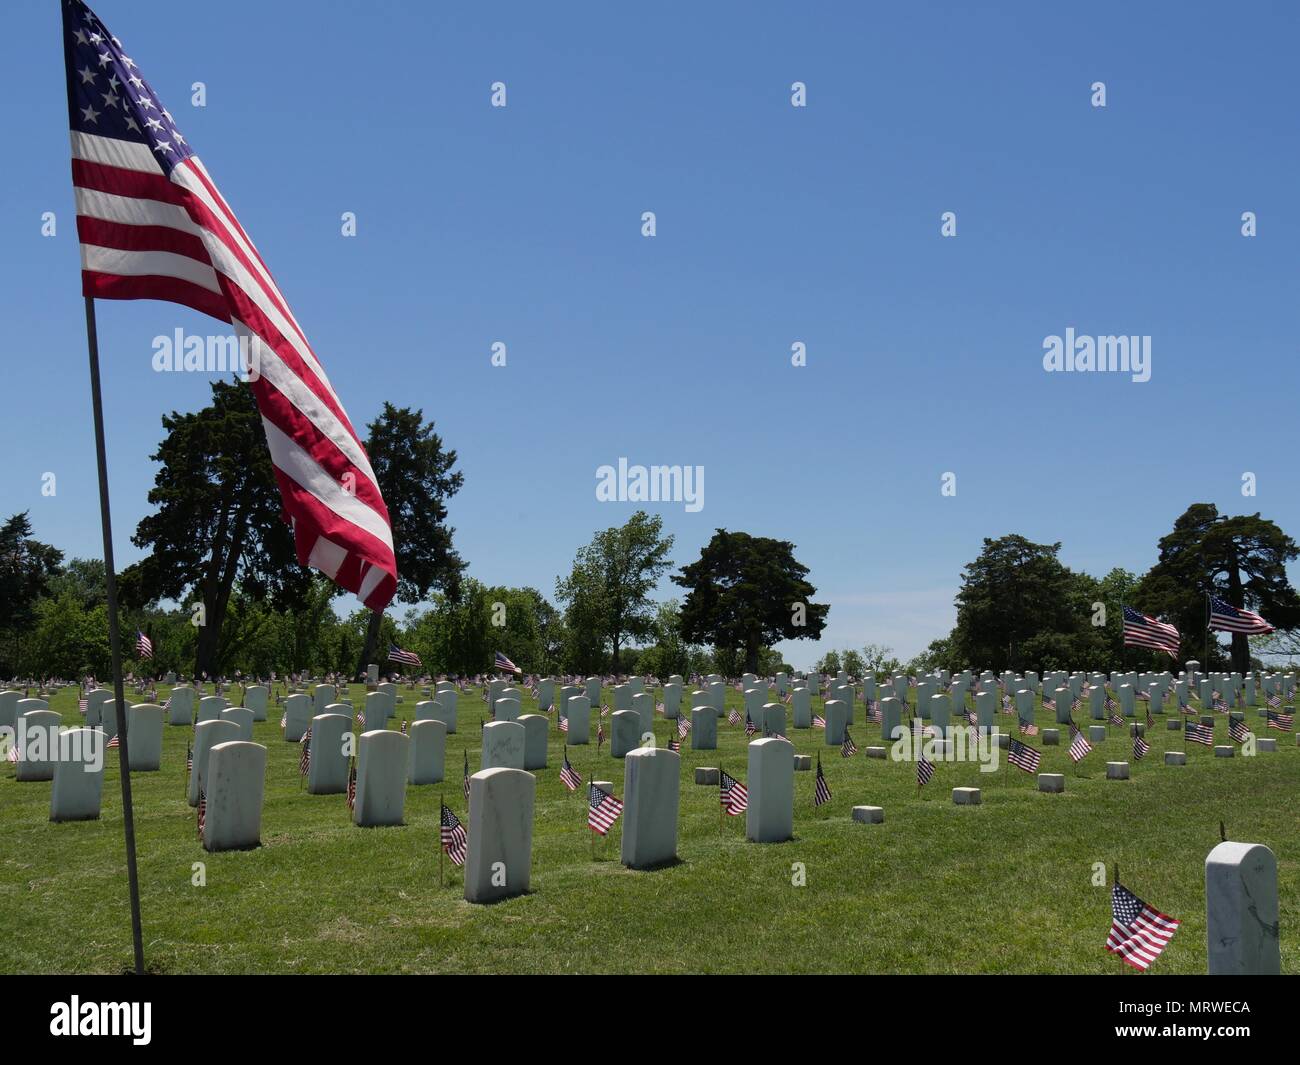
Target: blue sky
775, 224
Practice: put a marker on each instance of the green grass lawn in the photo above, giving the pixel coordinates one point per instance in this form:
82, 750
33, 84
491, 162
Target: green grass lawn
1002, 887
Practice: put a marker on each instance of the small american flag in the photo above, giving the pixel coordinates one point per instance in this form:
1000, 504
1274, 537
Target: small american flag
1006, 705
600, 735
562, 723
602, 809
1110, 703
1027, 728
734, 716
189, 759
660, 708
1049, 703
1080, 748
284, 721
924, 771
848, 748
361, 719
569, 776
1138, 932
81, 706
683, 726
143, 645
1140, 748
732, 794
750, 727
202, 812
1198, 733
1237, 729
466, 778
821, 790
1274, 701
112, 744
604, 709
455, 841
819, 721
1023, 756
404, 728
304, 763
352, 787
1281, 722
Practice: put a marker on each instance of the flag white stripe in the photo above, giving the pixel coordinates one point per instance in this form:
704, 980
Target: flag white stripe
109, 151
148, 263
302, 469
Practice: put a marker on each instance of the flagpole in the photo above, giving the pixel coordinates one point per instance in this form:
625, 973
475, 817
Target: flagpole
114, 635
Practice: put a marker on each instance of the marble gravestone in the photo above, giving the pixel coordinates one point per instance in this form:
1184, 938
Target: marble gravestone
500, 846
651, 783
9, 709
180, 710
327, 772
144, 730
506, 711
704, 729
429, 752
836, 720
624, 732
445, 710
672, 700
207, 734
503, 745
236, 775
578, 710
242, 718
383, 759
1243, 933
536, 727
321, 697
769, 818
95, 700
891, 718
297, 716
210, 707
38, 741
78, 785
644, 704
255, 697
801, 708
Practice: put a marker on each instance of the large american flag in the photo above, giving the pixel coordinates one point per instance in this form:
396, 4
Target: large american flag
406, 658
503, 663
152, 225
143, 645
1138, 932
1143, 631
1228, 618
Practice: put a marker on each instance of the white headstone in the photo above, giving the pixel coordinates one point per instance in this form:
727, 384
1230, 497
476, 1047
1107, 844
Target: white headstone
242, 718
144, 732
255, 700
1243, 933
651, 783
769, 817
236, 776
382, 762
704, 729
207, 734
624, 733
327, 773
37, 740
503, 745
428, 752
78, 784
578, 713
181, 708
297, 716
536, 727
500, 846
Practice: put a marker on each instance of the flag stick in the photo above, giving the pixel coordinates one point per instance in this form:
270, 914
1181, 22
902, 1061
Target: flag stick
114, 636
441, 804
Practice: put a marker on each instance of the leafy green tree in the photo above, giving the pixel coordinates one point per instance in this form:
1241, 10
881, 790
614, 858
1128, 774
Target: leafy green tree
746, 593
1013, 591
607, 593
1241, 560
70, 639
852, 663
829, 664
218, 519
416, 477
26, 569
879, 661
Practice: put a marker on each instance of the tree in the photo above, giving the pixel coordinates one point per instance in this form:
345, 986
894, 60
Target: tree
219, 519
879, 661
746, 593
26, 567
829, 664
1013, 591
852, 664
1241, 560
608, 590
415, 477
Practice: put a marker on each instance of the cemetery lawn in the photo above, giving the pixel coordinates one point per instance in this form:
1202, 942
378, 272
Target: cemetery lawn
1007, 886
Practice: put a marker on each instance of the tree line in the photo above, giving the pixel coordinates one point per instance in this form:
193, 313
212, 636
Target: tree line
220, 591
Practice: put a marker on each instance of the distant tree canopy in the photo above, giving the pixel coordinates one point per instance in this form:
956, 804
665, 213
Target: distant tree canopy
607, 593
746, 593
